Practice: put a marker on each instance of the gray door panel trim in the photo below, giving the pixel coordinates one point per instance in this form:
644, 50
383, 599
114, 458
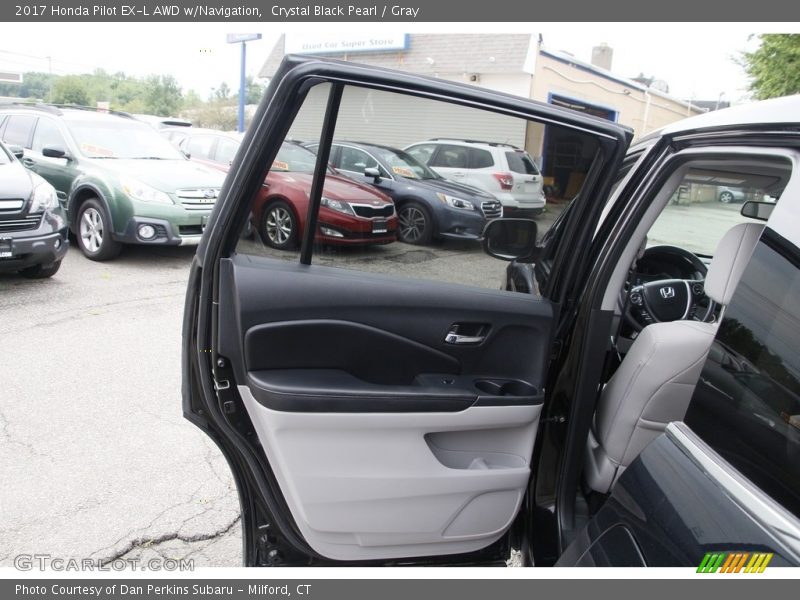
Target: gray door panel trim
366, 486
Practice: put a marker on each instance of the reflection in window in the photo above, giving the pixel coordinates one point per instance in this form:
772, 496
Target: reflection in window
747, 403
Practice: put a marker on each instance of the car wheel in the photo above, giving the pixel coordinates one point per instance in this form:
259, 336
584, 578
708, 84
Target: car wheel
415, 224
40, 271
726, 197
279, 226
94, 232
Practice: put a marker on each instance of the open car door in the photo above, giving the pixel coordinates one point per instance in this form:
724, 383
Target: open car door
371, 414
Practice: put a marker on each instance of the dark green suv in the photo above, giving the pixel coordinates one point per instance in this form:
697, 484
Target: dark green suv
119, 180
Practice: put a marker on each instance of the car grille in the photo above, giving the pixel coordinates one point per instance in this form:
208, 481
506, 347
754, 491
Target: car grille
492, 209
198, 199
190, 229
11, 205
20, 224
367, 211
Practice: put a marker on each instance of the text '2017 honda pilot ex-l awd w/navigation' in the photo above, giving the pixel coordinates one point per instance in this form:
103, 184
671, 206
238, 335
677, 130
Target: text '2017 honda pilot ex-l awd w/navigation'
625, 392
119, 180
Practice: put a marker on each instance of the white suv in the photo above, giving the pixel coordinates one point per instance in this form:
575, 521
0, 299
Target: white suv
506, 171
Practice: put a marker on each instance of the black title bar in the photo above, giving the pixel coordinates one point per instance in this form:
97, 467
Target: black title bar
463, 11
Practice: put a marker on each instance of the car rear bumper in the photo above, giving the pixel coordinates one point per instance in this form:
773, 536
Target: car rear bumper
511, 201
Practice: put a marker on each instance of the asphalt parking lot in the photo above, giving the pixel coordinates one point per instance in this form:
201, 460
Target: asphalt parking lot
98, 460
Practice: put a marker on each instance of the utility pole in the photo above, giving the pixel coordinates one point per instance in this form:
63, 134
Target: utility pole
242, 38
50, 79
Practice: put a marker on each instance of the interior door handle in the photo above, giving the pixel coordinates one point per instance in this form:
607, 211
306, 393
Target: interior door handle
454, 337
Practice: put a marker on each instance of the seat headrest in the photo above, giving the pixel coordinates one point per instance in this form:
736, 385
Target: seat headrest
730, 258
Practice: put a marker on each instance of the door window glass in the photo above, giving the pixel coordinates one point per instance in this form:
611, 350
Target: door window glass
200, 146
410, 221
352, 159
700, 210
47, 134
18, 130
520, 162
453, 157
747, 402
480, 159
226, 150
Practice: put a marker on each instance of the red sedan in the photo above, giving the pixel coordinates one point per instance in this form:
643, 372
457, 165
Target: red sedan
351, 213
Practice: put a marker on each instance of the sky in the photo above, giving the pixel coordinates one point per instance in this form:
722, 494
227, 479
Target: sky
696, 60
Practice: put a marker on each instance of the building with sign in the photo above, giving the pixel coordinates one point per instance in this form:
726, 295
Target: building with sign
517, 64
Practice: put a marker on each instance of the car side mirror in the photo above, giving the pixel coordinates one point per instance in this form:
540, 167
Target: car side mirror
373, 172
55, 152
511, 239
757, 210
17, 151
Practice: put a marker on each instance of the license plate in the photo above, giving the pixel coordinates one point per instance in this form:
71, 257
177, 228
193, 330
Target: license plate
379, 227
6, 250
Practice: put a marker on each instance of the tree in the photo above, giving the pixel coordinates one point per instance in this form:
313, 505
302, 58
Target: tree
70, 90
223, 92
775, 66
162, 96
35, 85
192, 99
253, 91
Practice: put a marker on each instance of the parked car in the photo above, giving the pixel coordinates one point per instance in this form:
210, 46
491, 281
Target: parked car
33, 225
726, 195
352, 213
507, 172
428, 206
381, 419
119, 180
176, 134
159, 123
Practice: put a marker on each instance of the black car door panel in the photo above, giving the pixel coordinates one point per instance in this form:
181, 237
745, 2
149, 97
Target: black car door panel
387, 440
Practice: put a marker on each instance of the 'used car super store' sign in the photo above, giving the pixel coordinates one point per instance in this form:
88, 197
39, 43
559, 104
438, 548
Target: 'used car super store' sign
319, 44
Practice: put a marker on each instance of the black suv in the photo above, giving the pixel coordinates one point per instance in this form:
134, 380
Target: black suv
33, 226
638, 403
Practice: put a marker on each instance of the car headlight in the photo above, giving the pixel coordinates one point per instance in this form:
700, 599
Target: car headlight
456, 202
143, 192
43, 198
338, 206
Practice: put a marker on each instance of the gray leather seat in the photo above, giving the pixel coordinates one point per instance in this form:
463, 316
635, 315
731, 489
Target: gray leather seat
654, 384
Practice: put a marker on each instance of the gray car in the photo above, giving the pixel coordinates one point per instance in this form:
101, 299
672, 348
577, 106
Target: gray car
33, 225
726, 195
428, 205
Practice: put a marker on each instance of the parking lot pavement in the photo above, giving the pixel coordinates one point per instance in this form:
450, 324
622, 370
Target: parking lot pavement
97, 459
696, 227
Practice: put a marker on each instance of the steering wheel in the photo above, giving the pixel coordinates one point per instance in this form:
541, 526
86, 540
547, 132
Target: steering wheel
670, 299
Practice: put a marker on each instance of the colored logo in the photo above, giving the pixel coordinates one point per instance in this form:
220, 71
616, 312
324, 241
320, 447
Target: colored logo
734, 562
